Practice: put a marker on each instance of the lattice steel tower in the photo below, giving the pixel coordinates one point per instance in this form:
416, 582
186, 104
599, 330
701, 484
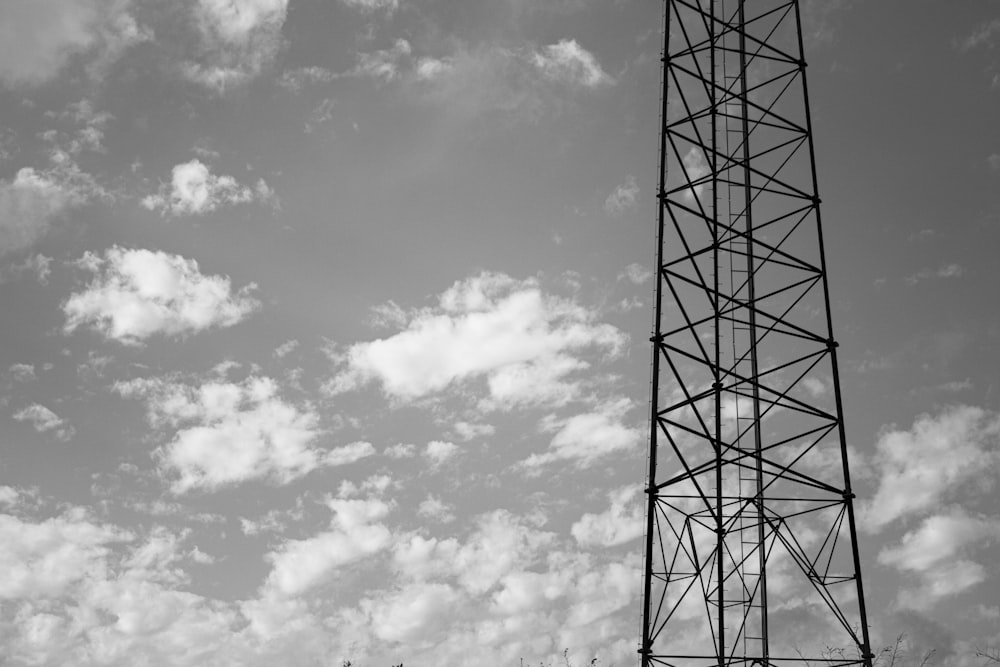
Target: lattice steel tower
751, 549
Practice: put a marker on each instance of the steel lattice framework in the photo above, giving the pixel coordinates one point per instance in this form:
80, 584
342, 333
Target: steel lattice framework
751, 549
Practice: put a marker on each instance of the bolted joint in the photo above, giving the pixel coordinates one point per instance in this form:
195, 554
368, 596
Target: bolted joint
831, 344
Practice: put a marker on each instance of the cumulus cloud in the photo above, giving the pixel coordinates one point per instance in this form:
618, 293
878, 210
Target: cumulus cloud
239, 38
568, 62
502, 588
33, 199
500, 543
356, 533
620, 523
44, 420
138, 293
195, 190
586, 438
935, 459
523, 342
227, 433
517, 579
41, 37
937, 553
623, 198
437, 451
417, 611
75, 587
43, 559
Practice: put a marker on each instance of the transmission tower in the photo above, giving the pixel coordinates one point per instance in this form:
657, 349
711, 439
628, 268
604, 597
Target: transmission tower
751, 549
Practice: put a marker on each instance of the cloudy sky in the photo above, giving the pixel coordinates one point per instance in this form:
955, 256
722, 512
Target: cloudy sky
325, 324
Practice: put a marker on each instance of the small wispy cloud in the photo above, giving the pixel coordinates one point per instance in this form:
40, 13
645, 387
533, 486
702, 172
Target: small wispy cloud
984, 35
943, 272
44, 420
195, 190
623, 198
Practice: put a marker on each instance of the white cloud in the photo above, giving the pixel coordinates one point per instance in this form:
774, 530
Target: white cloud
436, 509
937, 553
138, 293
44, 559
375, 485
195, 190
525, 83
588, 437
301, 565
400, 451
286, 348
229, 433
517, 593
945, 271
369, 6
89, 125
983, 36
815, 386
383, 65
22, 372
934, 460
521, 340
76, 595
418, 611
38, 38
323, 113
501, 543
30, 202
695, 168
566, 61
44, 420
38, 264
620, 523
297, 79
637, 274
239, 39
347, 454
438, 451
429, 69
470, 431
623, 198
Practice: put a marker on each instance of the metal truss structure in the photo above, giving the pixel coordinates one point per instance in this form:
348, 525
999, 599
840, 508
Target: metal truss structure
751, 549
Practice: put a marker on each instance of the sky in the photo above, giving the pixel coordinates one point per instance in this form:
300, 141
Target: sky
326, 323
